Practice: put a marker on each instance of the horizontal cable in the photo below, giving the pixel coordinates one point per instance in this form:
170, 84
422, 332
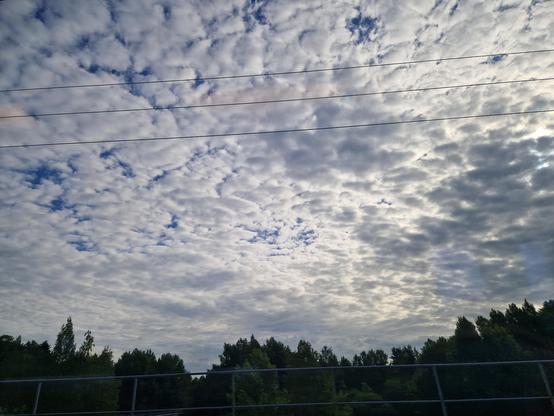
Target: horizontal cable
280, 369
284, 100
270, 74
266, 132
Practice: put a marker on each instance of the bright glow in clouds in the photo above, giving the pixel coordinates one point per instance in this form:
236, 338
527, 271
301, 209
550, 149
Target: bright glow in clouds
358, 239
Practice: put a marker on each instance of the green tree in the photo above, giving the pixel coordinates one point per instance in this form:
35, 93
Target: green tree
136, 362
279, 356
96, 395
310, 386
546, 319
439, 351
64, 349
498, 344
172, 392
467, 341
153, 392
521, 332
87, 345
403, 355
235, 355
362, 394
374, 378
18, 360
278, 353
258, 388
327, 357
83, 395
214, 388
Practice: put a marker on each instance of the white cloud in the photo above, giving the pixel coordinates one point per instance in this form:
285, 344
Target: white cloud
354, 238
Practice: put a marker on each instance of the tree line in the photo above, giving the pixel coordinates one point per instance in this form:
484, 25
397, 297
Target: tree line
519, 333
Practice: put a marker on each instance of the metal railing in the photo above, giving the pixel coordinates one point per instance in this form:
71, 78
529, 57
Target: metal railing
233, 407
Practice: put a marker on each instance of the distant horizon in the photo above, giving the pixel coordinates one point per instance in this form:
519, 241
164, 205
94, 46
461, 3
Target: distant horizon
191, 368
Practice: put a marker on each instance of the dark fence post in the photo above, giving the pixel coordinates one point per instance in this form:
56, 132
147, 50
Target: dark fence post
439, 391
546, 383
233, 392
37, 397
134, 402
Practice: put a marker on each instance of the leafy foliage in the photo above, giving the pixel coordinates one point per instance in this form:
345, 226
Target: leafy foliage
519, 333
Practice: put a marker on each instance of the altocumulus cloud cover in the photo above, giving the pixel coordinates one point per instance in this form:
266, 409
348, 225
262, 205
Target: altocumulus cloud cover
354, 238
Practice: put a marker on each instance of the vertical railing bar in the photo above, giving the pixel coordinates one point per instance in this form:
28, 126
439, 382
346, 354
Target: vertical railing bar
233, 394
439, 391
134, 402
546, 384
334, 380
37, 397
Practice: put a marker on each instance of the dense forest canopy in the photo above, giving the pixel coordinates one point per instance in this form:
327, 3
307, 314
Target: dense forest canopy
519, 333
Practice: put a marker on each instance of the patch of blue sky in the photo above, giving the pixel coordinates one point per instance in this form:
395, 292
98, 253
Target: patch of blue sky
106, 154
37, 176
306, 237
129, 75
147, 70
498, 58
494, 59
173, 223
362, 27
260, 16
167, 12
254, 14
265, 235
84, 42
82, 245
160, 176
57, 204
60, 203
40, 12
198, 81
199, 154
111, 5
126, 169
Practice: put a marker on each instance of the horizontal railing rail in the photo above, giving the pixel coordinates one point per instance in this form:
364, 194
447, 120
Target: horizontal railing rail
233, 407
270, 370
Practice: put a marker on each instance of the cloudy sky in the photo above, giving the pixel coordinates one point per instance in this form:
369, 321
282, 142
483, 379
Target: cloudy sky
360, 238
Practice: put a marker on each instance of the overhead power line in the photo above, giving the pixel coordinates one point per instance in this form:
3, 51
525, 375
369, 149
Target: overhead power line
267, 132
271, 74
284, 100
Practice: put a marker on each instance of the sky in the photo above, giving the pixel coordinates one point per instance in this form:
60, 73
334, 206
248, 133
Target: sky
354, 238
